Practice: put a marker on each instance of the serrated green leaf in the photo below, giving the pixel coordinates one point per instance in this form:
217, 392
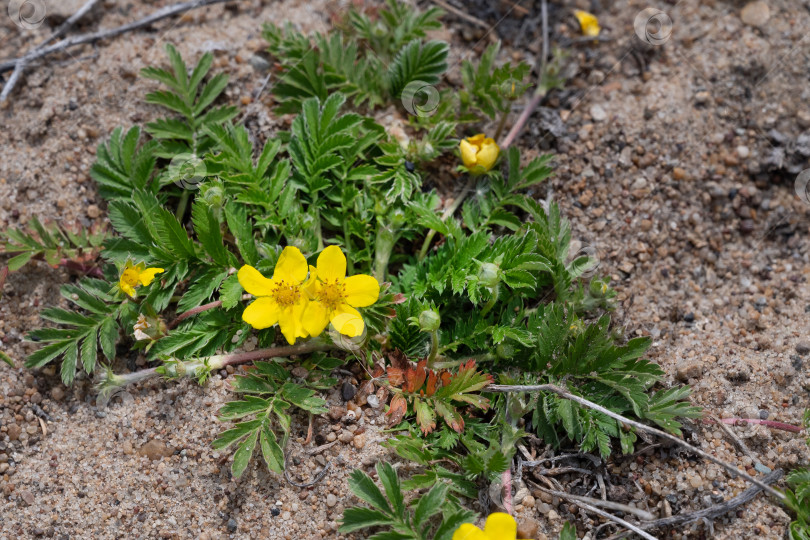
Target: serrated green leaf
364, 487
241, 457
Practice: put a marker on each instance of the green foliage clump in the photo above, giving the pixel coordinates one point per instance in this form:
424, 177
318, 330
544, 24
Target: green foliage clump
489, 293
433, 516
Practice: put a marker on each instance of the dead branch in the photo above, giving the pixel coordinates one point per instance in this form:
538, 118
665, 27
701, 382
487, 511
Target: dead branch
638, 425
158, 15
711, 512
619, 507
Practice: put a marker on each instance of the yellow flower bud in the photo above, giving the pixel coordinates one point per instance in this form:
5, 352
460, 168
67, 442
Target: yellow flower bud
587, 22
479, 153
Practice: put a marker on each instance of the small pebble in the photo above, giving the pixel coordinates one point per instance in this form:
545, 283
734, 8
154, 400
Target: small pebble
755, 13
331, 500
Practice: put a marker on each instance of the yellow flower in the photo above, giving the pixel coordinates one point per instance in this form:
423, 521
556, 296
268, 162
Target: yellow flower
499, 526
279, 300
587, 22
479, 153
334, 296
133, 276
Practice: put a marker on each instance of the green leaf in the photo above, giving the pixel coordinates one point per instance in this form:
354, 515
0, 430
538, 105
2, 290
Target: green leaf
206, 225
390, 482
241, 457
364, 487
201, 289
358, 518
431, 503
107, 336
69, 363
229, 437
6, 358
272, 452
242, 229
237, 409
568, 532
230, 292
90, 352
15, 263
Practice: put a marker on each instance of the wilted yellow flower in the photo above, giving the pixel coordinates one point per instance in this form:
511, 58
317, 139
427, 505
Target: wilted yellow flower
279, 300
136, 275
479, 153
499, 526
334, 296
587, 22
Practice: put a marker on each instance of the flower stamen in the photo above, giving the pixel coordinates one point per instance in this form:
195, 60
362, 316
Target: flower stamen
286, 294
332, 293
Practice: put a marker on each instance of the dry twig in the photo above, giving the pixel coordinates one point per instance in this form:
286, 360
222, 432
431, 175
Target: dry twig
638, 425
464, 15
711, 512
158, 15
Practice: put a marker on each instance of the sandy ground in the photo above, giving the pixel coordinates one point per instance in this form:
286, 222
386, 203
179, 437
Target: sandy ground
675, 163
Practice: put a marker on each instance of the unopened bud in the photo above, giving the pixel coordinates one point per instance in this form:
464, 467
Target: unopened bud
429, 320
489, 275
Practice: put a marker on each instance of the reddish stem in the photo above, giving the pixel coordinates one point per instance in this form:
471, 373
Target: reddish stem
194, 311
3, 276
274, 352
770, 423
94, 271
521, 121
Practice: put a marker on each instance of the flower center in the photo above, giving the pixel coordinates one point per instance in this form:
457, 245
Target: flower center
286, 294
332, 294
130, 277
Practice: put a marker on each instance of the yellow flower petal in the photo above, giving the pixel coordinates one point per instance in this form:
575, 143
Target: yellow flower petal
315, 318
477, 140
500, 526
588, 23
468, 531
262, 313
290, 321
312, 285
361, 290
331, 264
488, 154
347, 321
468, 153
127, 288
147, 276
291, 266
254, 282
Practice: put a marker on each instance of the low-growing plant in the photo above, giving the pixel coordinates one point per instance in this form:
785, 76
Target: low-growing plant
324, 244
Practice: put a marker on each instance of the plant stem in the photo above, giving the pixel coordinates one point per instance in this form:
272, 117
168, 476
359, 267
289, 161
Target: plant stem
199, 309
638, 425
447, 213
347, 243
491, 302
434, 348
502, 123
770, 423
181, 205
192, 368
383, 247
